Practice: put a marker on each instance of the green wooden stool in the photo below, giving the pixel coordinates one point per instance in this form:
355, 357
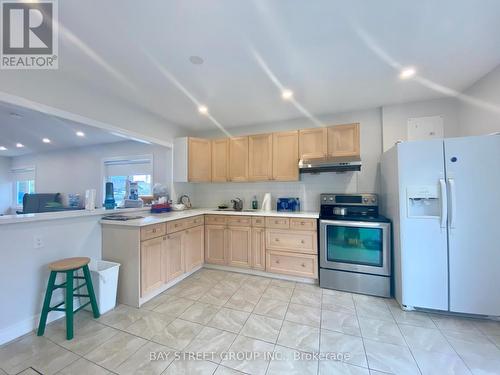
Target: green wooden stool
68, 266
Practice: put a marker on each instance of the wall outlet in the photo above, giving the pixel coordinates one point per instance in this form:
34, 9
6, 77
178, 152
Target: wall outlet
37, 242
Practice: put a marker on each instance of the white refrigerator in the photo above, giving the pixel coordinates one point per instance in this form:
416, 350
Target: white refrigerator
443, 196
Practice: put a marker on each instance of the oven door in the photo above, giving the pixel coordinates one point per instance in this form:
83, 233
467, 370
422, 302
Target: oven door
355, 246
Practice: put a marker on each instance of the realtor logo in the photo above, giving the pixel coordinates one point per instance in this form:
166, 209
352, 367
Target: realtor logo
29, 35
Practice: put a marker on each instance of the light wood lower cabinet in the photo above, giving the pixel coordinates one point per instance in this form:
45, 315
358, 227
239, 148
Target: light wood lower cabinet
194, 247
151, 264
215, 244
303, 265
259, 248
239, 246
173, 256
147, 264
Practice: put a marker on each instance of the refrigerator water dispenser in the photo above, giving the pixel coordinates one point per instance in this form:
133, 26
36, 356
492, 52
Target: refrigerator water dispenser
423, 201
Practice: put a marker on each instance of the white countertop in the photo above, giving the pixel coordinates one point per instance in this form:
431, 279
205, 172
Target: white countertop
176, 215
28, 218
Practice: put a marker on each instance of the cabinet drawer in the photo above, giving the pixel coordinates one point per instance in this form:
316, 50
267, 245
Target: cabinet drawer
176, 225
303, 224
239, 221
215, 219
300, 242
194, 221
258, 221
278, 222
152, 231
302, 265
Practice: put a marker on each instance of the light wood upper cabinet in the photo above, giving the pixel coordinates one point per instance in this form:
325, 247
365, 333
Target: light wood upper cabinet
199, 160
220, 159
173, 256
259, 248
194, 253
215, 244
151, 265
313, 143
260, 157
239, 250
238, 159
343, 140
286, 156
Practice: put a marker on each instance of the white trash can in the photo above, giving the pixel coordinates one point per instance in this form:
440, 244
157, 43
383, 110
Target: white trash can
105, 281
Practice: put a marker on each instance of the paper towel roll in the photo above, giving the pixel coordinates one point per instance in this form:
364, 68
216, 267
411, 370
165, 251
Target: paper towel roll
90, 197
266, 202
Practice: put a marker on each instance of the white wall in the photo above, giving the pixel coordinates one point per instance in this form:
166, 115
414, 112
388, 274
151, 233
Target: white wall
310, 186
476, 119
395, 118
77, 169
5, 185
24, 269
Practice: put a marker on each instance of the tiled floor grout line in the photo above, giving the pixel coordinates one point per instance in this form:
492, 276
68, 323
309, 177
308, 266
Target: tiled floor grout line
282, 322
404, 338
361, 333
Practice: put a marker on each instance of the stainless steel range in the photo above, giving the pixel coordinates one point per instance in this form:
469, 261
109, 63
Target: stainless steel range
354, 245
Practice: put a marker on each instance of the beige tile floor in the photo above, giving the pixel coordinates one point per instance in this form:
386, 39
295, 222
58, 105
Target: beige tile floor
220, 312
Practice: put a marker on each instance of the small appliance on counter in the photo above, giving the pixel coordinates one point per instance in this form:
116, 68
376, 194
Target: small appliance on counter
354, 245
288, 204
109, 201
90, 195
266, 202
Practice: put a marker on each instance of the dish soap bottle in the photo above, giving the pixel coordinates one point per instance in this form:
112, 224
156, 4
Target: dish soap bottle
254, 203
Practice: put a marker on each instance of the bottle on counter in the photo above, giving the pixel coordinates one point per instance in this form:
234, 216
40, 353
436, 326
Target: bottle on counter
297, 204
255, 204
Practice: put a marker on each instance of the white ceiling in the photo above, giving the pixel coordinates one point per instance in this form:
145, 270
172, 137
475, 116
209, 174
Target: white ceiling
20, 125
336, 55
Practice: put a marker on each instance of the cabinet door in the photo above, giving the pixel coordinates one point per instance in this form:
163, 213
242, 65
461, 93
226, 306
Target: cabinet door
238, 159
286, 156
194, 249
313, 143
239, 242
173, 256
200, 160
260, 163
220, 159
151, 265
215, 244
343, 140
259, 248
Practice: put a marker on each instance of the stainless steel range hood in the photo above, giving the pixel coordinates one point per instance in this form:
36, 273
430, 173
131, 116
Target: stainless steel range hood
330, 164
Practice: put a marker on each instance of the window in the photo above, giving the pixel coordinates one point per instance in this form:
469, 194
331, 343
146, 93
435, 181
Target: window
23, 182
133, 169
23, 187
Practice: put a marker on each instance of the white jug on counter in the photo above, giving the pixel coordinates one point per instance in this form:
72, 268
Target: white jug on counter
266, 202
90, 196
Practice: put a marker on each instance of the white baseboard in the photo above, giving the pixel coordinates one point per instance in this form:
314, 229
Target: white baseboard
28, 325
250, 271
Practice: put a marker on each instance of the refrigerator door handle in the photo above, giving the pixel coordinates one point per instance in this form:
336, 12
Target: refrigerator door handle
444, 202
453, 202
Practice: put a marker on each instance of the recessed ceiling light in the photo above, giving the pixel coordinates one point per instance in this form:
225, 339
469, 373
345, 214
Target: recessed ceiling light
19, 145
203, 109
80, 134
46, 140
196, 60
407, 73
15, 115
2, 148
287, 94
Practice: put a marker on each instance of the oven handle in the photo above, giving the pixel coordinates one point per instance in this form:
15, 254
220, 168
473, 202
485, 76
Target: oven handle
354, 223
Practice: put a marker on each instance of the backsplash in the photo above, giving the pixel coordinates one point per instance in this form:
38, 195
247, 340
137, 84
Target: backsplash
307, 190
